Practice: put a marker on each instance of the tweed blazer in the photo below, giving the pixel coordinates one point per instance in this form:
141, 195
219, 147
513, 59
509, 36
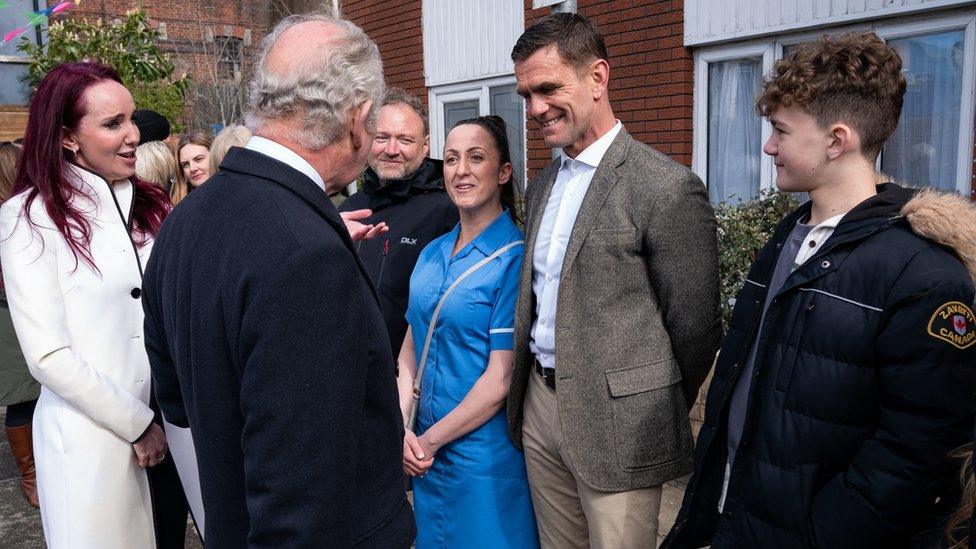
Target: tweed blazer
637, 317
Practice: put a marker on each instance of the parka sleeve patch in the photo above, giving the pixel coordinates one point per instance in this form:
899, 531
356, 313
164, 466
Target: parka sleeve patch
955, 324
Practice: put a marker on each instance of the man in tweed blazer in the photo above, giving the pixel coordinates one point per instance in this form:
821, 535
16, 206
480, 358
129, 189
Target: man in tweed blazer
617, 321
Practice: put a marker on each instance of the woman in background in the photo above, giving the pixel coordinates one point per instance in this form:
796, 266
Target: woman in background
193, 157
470, 485
231, 136
155, 163
18, 390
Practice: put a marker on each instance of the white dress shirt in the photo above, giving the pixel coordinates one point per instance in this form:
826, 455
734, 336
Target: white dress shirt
558, 219
280, 152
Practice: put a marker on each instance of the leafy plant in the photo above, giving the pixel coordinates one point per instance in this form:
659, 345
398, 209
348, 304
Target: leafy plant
743, 229
128, 46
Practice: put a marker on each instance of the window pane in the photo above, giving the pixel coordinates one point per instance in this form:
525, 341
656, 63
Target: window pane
13, 84
734, 130
458, 111
924, 148
508, 105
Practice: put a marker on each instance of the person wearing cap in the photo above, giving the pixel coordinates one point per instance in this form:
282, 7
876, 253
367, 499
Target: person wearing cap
155, 161
152, 126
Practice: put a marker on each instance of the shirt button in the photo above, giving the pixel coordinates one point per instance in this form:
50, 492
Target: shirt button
549, 278
136, 293
812, 243
825, 264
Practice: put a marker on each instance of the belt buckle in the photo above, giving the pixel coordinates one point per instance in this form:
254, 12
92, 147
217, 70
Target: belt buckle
548, 375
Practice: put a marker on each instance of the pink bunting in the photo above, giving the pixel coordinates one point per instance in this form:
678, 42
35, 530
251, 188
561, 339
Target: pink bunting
63, 6
13, 34
37, 18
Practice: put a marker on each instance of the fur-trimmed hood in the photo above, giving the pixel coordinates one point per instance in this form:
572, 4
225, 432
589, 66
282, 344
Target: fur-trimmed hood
947, 219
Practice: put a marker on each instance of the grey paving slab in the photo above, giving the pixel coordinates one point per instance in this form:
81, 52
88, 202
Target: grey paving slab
20, 524
8, 468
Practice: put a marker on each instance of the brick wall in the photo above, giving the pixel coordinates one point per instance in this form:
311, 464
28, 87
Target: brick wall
651, 73
185, 25
398, 32
184, 22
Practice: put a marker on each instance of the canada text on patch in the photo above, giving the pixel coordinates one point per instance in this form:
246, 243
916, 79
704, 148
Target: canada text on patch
955, 324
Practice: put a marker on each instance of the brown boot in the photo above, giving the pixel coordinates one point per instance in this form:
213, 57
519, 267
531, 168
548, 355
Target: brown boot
22, 447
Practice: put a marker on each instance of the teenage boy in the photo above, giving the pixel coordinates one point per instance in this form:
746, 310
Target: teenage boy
846, 378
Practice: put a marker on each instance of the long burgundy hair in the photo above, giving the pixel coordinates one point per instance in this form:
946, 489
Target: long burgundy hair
58, 105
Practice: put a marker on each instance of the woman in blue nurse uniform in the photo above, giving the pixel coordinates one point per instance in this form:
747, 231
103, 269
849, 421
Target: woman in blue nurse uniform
470, 487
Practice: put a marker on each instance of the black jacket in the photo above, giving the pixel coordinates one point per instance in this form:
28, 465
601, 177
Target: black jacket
265, 337
863, 384
417, 210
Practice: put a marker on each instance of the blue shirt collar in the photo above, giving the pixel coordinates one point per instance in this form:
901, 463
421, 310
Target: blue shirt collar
495, 235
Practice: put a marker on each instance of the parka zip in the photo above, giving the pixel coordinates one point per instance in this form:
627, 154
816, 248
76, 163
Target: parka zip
386, 251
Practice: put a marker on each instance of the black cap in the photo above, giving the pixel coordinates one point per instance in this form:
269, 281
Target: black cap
152, 125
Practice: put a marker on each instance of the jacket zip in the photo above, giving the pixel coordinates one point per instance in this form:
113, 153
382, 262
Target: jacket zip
386, 251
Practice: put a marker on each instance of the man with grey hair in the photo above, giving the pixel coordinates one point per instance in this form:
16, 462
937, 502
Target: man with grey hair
264, 331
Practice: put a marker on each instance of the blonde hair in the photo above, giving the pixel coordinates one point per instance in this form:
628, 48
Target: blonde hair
156, 163
231, 136
9, 156
959, 521
181, 187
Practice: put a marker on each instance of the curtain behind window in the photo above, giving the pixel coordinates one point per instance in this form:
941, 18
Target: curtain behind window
924, 147
734, 130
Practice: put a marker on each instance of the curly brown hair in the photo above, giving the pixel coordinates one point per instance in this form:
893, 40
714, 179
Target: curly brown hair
852, 78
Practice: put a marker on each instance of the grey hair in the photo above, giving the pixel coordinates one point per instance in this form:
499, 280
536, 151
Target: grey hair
325, 88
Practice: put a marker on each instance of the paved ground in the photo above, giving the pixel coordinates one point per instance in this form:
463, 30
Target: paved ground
20, 524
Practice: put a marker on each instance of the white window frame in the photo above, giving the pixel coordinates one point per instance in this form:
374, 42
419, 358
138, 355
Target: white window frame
478, 90
771, 49
699, 156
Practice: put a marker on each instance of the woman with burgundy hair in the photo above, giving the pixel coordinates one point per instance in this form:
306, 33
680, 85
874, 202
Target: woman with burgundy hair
73, 241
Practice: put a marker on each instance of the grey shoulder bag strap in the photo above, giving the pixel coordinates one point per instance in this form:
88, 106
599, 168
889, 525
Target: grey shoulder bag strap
411, 423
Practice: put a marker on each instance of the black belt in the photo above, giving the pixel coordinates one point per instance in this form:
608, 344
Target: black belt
547, 374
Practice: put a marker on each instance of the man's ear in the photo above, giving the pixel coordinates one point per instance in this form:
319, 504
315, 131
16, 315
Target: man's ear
842, 138
427, 145
357, 125
598, 75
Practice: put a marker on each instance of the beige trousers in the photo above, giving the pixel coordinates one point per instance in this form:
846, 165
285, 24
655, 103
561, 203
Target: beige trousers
570, 513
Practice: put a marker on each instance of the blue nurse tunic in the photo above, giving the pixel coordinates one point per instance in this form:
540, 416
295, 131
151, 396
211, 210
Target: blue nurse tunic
476, 494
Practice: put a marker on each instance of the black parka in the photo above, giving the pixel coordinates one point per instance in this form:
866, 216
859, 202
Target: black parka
417, 210
863, 384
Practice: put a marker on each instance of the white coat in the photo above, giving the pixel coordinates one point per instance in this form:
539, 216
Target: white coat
81, 334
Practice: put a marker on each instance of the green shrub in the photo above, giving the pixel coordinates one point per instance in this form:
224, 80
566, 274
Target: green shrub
743, 229
128, 46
